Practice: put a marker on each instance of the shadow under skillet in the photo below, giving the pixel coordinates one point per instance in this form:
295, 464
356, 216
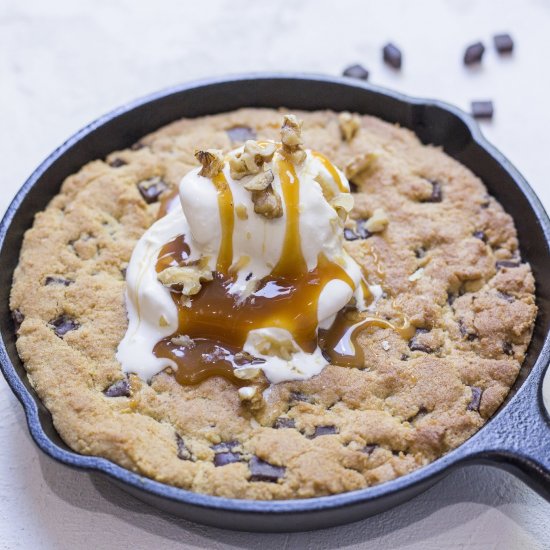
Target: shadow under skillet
480, 486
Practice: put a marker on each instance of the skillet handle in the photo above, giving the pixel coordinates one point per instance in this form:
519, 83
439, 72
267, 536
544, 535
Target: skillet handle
519, 440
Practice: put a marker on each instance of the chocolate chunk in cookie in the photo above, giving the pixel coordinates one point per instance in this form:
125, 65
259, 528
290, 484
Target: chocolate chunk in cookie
63, 324
240, 134
507, 263
480, 235
324, 430
350, 234
506, 297
416, 345
121, 388
507, 348
469, 335
222, 459
420, 252
183, 452
18, 318
55, 280
437, 192
360, 231
117, 163
369, 449
261, 470
283, 422
152, 189
225, 453
297, 396
473, 405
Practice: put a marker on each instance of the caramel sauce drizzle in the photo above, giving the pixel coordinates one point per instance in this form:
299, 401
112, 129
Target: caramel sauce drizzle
332, 170
227, 219
292, 259
218, 322
339, 343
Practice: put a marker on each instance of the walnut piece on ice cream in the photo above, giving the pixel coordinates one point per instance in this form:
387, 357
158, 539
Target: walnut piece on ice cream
251, 160
291, 137
267, 203
188, 278
212, 162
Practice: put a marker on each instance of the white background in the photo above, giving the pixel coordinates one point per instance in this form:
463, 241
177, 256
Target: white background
63, 63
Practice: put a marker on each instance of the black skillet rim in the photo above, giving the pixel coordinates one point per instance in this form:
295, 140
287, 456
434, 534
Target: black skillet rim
467, 451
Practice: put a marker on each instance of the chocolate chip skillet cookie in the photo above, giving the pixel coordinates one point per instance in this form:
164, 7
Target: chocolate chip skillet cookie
268, 306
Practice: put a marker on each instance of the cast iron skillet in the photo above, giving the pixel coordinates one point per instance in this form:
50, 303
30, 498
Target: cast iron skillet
517, 438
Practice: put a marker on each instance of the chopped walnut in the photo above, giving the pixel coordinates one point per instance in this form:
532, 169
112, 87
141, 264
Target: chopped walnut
251, 160
267, 203
284, 349
343, 204
247, 373
212, 162
189, 278
418, 274
240, 210
183, 340
349, 125
359, 163
247, 393
291, 137
259, 182
377, 222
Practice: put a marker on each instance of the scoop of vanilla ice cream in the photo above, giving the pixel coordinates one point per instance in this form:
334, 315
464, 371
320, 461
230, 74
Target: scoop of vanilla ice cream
257, 247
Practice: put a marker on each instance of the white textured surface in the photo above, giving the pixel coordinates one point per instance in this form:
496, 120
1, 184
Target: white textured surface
63, 63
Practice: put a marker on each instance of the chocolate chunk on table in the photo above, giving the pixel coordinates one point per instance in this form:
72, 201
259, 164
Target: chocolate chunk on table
503, 43
482, 109
264, 471
392, 55
356, 71
474, 53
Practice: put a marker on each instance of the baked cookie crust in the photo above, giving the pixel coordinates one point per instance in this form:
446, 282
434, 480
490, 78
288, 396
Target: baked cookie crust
448, 260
